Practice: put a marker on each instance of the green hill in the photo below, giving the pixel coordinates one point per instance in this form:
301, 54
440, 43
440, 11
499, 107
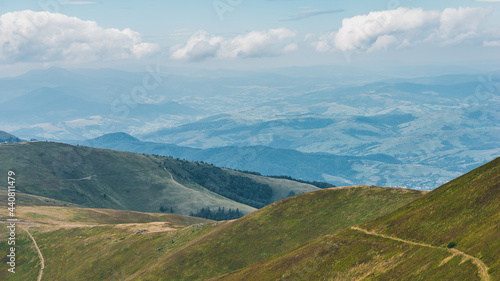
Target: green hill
100, 178
410, 243
277, 228
90, 244
94, 244
348, 233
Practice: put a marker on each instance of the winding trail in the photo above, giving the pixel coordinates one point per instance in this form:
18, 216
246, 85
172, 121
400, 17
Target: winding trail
483, 269
39, 253
171, 177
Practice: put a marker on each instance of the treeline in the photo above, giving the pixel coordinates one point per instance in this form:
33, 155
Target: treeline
238, 188
164, 209
319, 184
220, 215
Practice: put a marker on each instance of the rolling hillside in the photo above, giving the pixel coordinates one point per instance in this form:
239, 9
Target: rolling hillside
97, 244
347, 233
101, 178
411, 243
263, 159
278, 228
66, 235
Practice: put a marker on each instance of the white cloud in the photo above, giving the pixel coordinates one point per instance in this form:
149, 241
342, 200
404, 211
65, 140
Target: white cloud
404, 27
202, 45
491, 43
47, 37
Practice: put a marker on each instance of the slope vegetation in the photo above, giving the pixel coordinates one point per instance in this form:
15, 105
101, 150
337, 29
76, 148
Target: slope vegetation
276, 229
100, 178
465, 211
98, 244
410, 243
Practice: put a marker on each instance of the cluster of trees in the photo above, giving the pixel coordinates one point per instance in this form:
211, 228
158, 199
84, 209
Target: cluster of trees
319, 184
238, 188
219, 215
164, 209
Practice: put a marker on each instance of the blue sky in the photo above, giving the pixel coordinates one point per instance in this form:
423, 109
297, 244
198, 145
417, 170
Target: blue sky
246, 33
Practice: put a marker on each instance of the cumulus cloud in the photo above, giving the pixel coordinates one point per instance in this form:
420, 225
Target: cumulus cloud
47, 37
404, 27
268, 43
491, 43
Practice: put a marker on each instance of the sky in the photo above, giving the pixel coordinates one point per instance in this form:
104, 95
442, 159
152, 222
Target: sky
246, 33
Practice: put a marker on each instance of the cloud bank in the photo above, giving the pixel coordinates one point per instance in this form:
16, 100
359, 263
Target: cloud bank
201, 45
28, 36
404, 27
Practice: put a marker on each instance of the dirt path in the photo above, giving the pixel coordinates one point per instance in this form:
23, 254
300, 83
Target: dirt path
171, 177
483, 269
39, 253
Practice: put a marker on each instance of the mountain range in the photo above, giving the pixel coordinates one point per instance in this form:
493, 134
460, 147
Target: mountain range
100, 178
340, 233
438, 127
262, 159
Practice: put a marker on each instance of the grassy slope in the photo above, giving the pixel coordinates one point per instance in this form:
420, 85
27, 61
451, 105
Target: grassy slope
275, 229
465, 210
67, 215
104, 178
27, 262
354, 255
24, 199
95, 244
115, 252
281, 187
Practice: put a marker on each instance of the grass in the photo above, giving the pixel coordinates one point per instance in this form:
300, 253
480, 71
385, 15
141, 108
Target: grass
99, 178
67, 216
275, 229
95, 244
353, 255
305, 237
281, 187
27, 261
64, 175
464, 211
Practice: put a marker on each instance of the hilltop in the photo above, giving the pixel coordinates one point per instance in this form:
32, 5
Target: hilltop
100, 178
344, 233
412, 242
90, 244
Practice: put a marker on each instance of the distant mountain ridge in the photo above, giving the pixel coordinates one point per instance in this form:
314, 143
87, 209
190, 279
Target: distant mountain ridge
346, 233
6, 137
429, 123
101, 178
262, 159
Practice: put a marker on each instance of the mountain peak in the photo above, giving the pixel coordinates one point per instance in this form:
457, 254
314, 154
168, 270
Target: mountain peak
6, 137
118, 136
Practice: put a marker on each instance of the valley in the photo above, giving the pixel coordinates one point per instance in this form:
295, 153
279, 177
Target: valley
416, 132
357, 232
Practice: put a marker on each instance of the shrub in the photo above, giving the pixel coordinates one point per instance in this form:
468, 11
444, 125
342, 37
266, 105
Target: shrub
451, 245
